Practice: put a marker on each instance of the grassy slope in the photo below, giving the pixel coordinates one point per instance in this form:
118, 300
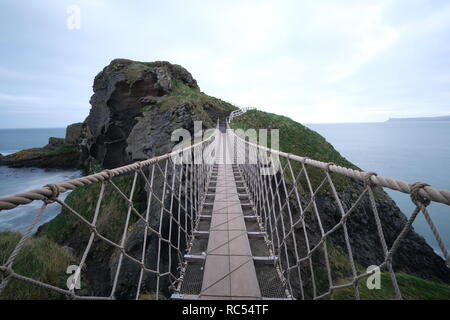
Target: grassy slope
40, 259
297, 139
40, 152
294, 137
44, 259
112, 216
200, 102
411, 287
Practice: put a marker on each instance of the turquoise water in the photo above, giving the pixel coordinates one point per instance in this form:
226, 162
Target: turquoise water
409, 151
14, 181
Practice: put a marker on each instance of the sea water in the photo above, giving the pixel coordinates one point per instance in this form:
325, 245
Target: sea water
19, 180
408, 151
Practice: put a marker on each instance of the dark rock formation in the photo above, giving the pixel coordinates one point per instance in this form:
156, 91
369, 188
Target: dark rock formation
74, 133
135, 109
60, 153
121, 91
54, 142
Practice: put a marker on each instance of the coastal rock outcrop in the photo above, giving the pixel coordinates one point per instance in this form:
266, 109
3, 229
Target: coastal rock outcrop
74, 133
59, 153
136, 101
135, 109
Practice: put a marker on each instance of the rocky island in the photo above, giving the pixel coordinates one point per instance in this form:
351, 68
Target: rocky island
442, 118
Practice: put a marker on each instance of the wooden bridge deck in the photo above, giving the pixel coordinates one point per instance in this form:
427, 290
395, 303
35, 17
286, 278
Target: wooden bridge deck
229, 267
222, 265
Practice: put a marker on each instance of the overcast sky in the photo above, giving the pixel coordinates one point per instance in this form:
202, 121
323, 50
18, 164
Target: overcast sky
314, 61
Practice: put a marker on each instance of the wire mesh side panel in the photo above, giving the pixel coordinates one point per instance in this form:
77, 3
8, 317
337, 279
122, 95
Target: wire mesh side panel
129, 229
315, 245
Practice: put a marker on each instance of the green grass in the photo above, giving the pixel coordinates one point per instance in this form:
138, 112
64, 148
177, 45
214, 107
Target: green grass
26, 154
40, 259
148, 107
135, 71
40, 152
112, 215
148, 64
411, 287
294, 137
65, 148
297, 139
182, 90
196, 102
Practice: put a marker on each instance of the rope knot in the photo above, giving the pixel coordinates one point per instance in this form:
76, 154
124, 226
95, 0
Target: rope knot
328, 165
109, 174
368, 178
55, 193
304, 159
416, 198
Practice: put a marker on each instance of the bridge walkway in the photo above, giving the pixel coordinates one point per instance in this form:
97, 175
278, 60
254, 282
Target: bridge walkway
236, 263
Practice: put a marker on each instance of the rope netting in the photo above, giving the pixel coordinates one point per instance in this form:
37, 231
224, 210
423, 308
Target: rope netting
175, 186
285, 201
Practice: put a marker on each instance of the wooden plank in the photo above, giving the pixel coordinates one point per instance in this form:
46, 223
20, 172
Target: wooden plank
229, 267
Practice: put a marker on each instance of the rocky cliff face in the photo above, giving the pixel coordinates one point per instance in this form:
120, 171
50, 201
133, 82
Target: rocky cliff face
135, 108
123, 126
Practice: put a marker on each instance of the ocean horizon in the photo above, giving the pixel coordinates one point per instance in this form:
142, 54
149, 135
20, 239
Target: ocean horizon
16, 139
410, 151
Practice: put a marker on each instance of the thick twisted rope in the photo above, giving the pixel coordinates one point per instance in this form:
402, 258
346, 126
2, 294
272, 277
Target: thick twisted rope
427, 192
48, 191
421, 195
187, 177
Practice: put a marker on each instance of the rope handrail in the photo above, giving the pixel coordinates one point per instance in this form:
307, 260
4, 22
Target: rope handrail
13, 201
175, 202
427, 191
284, 203
177, 195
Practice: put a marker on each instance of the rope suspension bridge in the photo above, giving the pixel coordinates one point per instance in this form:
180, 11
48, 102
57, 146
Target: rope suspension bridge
222, 228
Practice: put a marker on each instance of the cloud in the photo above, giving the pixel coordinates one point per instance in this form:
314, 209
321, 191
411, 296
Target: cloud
315, 60
12, 99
